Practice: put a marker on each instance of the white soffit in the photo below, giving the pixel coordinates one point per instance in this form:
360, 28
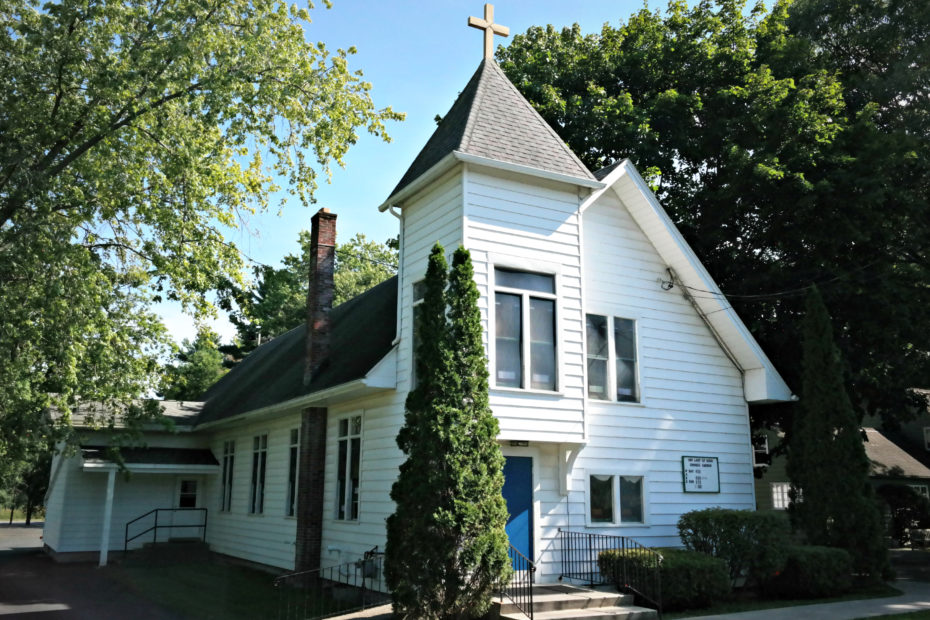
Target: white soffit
761, 381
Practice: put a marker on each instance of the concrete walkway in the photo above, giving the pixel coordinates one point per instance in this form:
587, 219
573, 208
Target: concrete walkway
916, 597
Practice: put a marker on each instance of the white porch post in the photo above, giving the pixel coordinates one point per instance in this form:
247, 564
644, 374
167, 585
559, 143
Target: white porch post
107, 515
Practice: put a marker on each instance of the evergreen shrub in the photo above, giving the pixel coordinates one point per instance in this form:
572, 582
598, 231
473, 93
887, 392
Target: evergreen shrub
690, 580
814, 572
751, 543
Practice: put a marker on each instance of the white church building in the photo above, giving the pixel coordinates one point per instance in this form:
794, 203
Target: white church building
622, 393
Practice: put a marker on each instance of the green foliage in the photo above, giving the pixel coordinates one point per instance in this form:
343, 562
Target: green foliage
832, 499
199, 365
814, 572
751, 543
690, 579
446, 545
747, 126
132, 133
277, 299
908, 509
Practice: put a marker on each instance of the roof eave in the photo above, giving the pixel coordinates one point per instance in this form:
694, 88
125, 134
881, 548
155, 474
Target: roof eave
440, 167
761, 381
380, 378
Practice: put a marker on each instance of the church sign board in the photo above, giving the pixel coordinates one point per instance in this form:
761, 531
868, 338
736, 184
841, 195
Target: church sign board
700, 474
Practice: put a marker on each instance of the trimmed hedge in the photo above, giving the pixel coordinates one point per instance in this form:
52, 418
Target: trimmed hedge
814, 572
689, 580
753, 544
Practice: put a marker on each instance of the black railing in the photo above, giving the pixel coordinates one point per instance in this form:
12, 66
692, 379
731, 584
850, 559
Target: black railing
334, 590
201, 524
630, 566
520, 587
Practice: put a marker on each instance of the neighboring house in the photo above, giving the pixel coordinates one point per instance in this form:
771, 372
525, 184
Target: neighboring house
622, 398
889, 464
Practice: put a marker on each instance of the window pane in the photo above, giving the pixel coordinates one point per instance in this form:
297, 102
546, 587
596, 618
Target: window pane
357, 425
602, 499
596, 337
631, 499
415, 344
508, 343
625, 350
341, 478
525, 280
343, 427
354, 474
542, 344
623, 336
294, 436
626, 381
419, 290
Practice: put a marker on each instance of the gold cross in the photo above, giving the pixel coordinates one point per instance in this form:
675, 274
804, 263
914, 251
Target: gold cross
490, 29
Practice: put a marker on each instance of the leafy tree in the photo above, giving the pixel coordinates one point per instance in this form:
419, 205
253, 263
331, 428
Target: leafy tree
446, 545
132, 132
200, 364
746, 134
277, 301
832, 500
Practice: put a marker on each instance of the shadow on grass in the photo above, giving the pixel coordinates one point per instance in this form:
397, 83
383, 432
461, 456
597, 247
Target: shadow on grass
204, 590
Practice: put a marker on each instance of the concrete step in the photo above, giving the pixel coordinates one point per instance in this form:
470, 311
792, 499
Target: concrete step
562, 597
563, 602
625, 612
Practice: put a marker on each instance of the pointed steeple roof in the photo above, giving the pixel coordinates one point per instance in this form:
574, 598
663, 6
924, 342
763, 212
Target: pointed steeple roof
492, 120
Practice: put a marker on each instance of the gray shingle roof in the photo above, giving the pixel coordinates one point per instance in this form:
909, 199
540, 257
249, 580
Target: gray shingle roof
361, 333
888, 460
492, 119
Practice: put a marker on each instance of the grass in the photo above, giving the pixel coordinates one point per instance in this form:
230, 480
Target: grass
729, 607
19, 515
204, 590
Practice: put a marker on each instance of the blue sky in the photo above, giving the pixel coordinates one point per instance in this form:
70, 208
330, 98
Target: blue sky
418, 55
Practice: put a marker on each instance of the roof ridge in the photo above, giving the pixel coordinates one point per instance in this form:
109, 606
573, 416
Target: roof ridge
471, 122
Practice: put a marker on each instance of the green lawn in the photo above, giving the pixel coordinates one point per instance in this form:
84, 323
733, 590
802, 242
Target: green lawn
204, 590
20, 515
729, 607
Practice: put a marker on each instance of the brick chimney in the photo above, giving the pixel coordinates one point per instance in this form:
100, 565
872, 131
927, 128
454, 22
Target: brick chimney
320, 291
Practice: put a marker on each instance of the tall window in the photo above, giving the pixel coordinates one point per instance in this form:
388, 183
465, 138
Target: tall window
293, 455
525, 349
259, 462
615, 499
419, 291
347, 468
619, 385
229, 456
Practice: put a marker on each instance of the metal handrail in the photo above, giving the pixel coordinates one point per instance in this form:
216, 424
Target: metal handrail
154, 528
334, 590
520, 587
634, 570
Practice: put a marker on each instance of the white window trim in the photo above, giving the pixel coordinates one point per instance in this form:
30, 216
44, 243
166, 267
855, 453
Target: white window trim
296, 489
347, 502
543, 268
616, 497
612, 359
226, 492
198, 494
264, 482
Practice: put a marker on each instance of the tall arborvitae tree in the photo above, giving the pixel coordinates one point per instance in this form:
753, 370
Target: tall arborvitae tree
446, 545
832, 499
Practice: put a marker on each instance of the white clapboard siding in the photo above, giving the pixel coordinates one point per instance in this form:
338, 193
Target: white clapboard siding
267, 538
382, 417
431, 216
691, 394
55, 501
514, 221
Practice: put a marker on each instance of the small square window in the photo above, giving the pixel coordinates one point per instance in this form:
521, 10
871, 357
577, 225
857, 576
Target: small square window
616, 500
780, 499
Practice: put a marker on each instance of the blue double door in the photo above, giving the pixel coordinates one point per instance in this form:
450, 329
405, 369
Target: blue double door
518, 493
